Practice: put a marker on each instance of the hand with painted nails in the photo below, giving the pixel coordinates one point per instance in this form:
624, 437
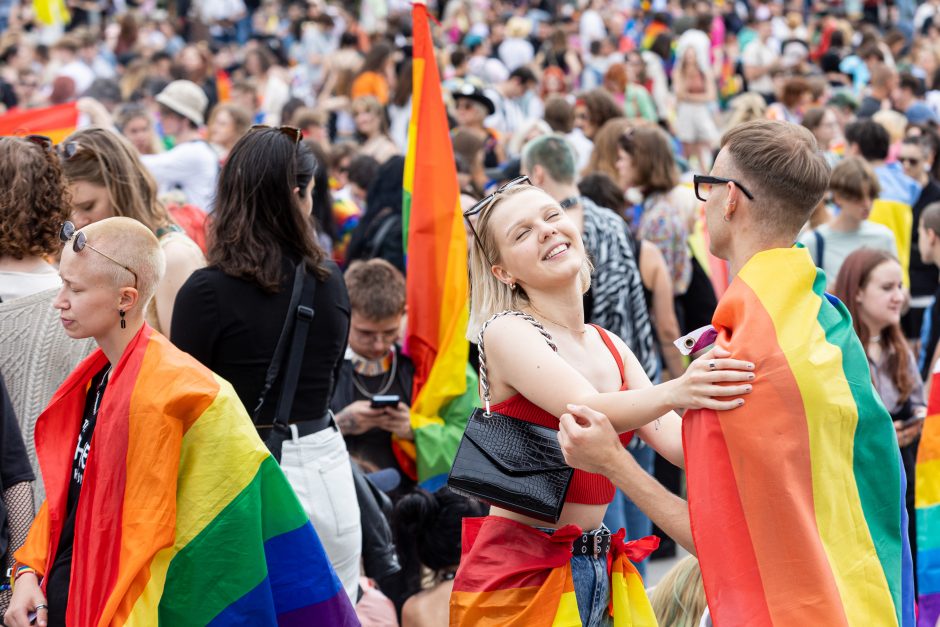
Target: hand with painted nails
713, 381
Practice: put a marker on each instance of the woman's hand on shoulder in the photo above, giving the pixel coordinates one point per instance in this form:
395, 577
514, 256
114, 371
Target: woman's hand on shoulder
713, 381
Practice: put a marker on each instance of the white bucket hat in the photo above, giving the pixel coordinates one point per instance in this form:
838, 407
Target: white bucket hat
185, 98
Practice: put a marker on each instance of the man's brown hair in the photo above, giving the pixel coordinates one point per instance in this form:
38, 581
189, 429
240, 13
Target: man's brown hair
780, 164
854, 179
376, 289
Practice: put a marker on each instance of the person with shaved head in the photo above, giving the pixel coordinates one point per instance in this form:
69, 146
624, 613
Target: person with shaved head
132, 449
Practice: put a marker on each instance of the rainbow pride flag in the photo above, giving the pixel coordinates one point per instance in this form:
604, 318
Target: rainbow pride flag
56, 122
445, 387
513, 575
184, 516
797, 498
927, 502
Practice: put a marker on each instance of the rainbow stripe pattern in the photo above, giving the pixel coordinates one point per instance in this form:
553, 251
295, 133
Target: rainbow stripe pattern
927, 503
184, 516
445, 387
56, 123
797, 498
514, 575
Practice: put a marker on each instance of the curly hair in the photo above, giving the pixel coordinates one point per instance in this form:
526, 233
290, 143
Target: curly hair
34, 200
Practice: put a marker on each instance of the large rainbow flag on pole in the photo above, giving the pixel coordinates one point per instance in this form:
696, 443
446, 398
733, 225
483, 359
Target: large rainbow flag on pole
445, 387
927, 502
184, 516
56, 122
797, 498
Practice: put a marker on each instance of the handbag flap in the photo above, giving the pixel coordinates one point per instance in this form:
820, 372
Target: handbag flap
515, 445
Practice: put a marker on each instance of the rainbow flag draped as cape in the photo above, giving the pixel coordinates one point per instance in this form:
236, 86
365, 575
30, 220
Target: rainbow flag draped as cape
56, 122
927, 502
513, 575
797, 498
445, 387
184, 516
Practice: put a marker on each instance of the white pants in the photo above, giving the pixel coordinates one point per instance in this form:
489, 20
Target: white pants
318, 468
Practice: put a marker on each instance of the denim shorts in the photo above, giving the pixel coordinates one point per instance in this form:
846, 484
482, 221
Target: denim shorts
591, 588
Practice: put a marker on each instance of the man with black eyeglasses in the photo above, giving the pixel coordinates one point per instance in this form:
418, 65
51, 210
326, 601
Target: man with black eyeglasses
782, 490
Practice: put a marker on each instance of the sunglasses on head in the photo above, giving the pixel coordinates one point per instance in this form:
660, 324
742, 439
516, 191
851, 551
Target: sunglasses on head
293, 134
485, 203
40, 140
80, 243
68, 150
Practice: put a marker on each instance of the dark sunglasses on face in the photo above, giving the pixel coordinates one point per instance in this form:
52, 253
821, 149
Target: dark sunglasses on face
293, 134
80, 243
487, 202
703, 185
910, 160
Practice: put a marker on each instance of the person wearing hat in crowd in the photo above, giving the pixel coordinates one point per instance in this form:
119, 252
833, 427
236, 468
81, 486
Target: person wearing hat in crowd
473, 107
192, 165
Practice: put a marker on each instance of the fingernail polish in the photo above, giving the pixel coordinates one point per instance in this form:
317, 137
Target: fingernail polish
749, 388
740, 402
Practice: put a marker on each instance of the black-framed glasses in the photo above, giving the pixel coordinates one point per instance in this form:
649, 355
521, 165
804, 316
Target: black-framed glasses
485, 203
292, 133
703, 186
80, 243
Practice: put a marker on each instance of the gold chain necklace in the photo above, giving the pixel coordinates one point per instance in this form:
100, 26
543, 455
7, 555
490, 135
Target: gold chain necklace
564, 326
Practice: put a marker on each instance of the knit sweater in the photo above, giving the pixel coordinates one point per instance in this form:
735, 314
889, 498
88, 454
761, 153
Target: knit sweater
35, 357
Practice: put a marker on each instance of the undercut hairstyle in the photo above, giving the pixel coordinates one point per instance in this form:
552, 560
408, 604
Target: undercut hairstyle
930, 217
872, 139
554, 154
107, 159
34, 201
376, 289
854, 179
654, 163
258, 220
131, 243
780, 164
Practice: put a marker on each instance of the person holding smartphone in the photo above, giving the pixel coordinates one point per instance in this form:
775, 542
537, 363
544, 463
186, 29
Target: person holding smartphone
373, 391
869, 283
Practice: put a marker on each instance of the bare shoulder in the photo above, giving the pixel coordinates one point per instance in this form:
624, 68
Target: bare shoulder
182, 255
511, 331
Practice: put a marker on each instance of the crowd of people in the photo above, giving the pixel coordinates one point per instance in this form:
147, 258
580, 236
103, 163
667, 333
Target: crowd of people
262, 146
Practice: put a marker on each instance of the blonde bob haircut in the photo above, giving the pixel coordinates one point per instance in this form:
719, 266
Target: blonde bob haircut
489, 295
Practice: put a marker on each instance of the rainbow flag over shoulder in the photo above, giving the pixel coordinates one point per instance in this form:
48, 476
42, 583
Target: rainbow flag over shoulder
56, 122
513, 575
445, 387
927, 502
184, 516
797, 498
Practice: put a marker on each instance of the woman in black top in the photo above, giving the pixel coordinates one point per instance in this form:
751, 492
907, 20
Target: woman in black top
230, 316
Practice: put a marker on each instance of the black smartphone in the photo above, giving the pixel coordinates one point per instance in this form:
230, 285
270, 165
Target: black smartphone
388, 400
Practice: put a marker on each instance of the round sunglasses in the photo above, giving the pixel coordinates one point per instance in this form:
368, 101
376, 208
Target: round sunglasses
80, 242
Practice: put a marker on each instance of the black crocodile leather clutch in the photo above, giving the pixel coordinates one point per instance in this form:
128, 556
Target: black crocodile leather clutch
513, 464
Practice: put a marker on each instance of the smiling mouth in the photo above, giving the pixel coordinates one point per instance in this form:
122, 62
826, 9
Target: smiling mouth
557, 250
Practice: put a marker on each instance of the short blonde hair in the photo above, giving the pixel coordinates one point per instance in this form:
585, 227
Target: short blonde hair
893, 121
489, 295
853, 178
132, 244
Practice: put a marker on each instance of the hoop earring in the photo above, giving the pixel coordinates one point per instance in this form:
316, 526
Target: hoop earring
123, 322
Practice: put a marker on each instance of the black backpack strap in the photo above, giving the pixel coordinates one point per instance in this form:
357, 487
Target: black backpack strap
282, 342
304, 313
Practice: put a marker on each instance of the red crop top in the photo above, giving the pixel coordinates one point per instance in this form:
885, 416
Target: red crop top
586, 487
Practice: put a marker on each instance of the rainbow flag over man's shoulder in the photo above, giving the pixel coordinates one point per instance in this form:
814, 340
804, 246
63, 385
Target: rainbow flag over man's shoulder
797, 498
445, 387
56, 122
927, 502
184, 516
